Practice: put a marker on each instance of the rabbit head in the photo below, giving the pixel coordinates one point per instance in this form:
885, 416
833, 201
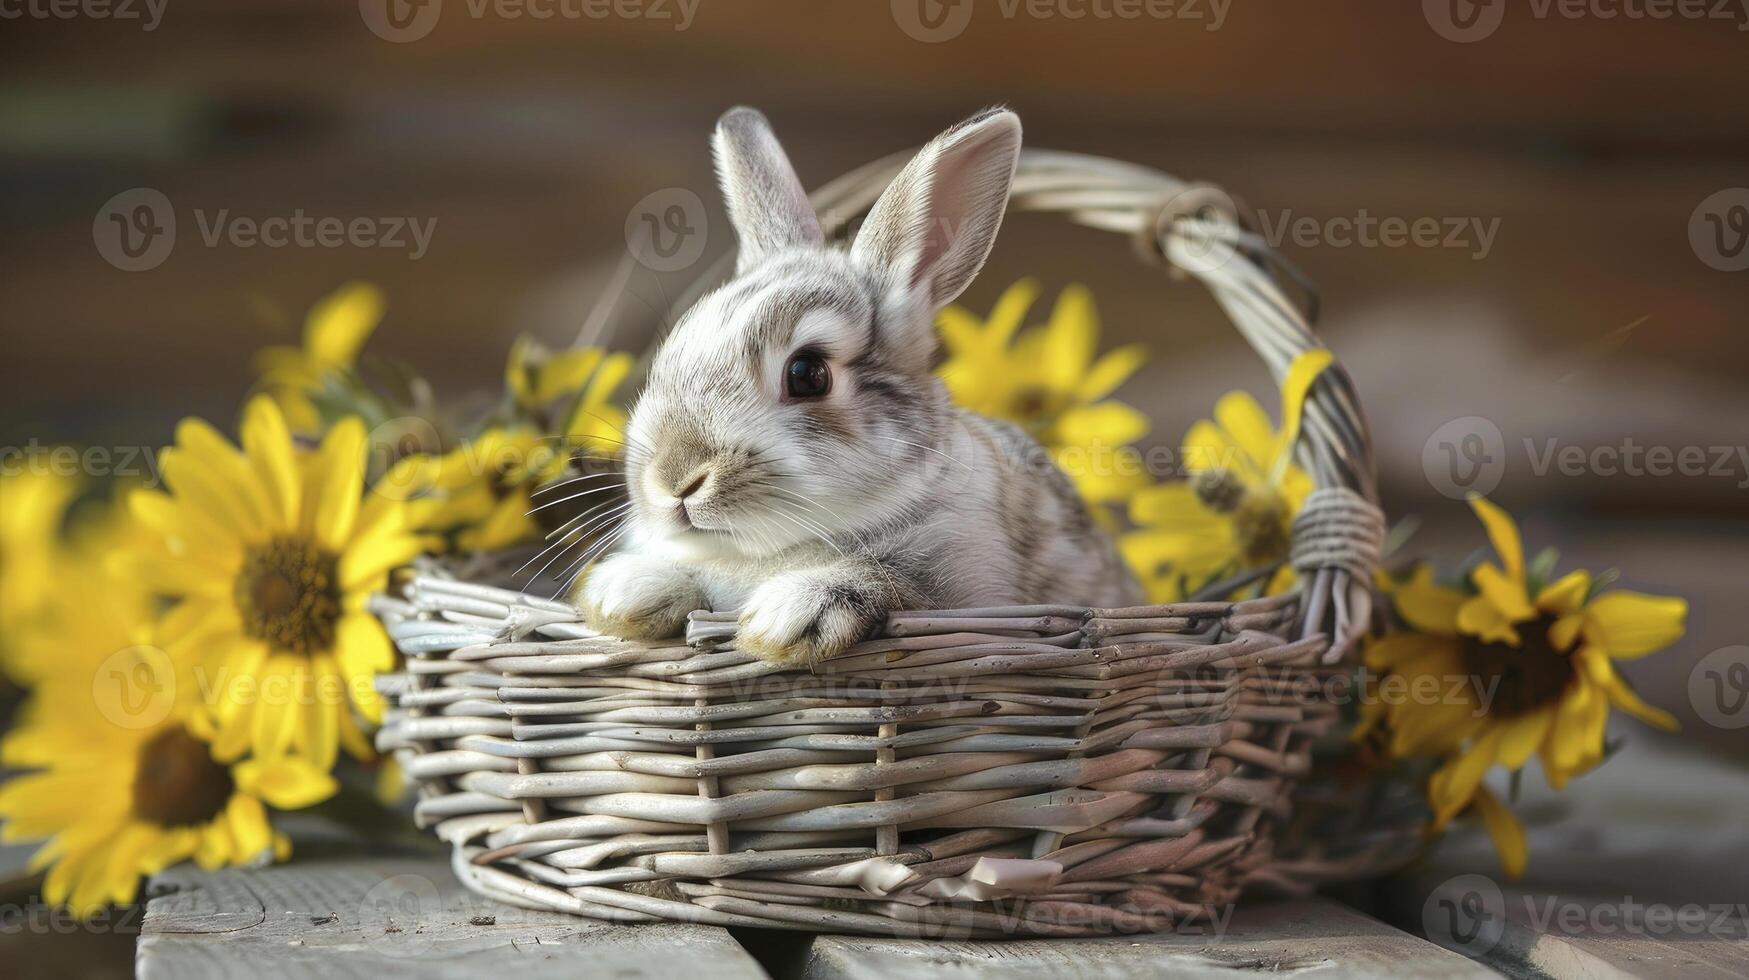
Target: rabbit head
796, 402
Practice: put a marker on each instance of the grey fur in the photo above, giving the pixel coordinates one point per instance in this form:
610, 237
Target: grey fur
817, 517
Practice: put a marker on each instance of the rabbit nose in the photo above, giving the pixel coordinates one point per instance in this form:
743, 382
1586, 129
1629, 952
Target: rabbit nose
691, 484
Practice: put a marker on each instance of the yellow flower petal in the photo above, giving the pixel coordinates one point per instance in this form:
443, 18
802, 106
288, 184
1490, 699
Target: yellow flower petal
195, 486
1506, 831
1503, 533
564, 373
1566, 595
1504, 593
1295, 386
1564, 631
267, 443
1247, 428
1520, 737
336, 482
1426, 605
1481, 618
1633, 624
607, 379
246, 819
1111, 371
339, 324
1436, 728
1208, 447
1101, 428
1576, 739
287, 783
321, 721
275, 713
1454, 784
1595, 662
1070, 338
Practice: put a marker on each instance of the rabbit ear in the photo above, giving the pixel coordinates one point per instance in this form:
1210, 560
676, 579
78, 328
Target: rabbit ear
934, 224
767, 204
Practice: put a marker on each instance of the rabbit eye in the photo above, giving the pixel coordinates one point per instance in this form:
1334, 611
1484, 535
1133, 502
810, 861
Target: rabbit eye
807, 376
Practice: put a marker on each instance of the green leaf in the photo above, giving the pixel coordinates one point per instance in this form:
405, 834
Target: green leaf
1603, 581
1542, 569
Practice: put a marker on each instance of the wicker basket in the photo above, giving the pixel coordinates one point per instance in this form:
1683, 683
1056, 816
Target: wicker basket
1048, 770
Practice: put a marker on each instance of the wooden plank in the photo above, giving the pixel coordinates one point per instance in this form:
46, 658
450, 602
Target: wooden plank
1566, 937
386, 917
1300, 936
1630, 872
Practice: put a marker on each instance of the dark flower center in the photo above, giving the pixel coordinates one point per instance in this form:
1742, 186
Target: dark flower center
1260, 522
177, 783
1036, 404
1530, 676
289, 594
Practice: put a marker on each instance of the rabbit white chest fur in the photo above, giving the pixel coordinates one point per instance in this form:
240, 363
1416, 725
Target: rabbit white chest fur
792, 455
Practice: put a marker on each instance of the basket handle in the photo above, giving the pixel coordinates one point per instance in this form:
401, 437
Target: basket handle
1196, 230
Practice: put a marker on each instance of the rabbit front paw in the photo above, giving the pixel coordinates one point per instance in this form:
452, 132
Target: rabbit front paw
800, 618
634, 596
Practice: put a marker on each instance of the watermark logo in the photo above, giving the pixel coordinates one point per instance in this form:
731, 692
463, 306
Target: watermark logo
1464, 21
1718, 688
1464, 456
666, 231
400, 21
397, 439
1718, 230
393, 912
135, 230
932, 21
135, 688
1466, 914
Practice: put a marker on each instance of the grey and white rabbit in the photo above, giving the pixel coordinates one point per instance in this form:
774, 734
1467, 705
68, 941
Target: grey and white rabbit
793, 456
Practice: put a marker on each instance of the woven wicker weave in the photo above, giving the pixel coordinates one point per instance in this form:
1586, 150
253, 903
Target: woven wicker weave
1050, 770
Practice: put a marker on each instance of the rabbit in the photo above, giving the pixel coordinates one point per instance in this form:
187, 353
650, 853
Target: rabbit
793, 456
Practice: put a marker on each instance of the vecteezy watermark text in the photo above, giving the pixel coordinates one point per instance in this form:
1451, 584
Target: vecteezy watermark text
1467, 21
1472, 914
149, 13
36, 459
402, 21
1366, 230
136, 230
1470, 455
934, 21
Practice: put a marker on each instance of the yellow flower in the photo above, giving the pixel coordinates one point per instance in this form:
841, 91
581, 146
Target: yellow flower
272, 553
538, 380
481, 495
334, 331
1047, 380
117, 801
597, 424
92, 610
1523, 668
1235, 513
33, 504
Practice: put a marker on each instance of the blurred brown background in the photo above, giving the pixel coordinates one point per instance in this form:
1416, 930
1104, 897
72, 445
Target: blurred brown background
1574, 156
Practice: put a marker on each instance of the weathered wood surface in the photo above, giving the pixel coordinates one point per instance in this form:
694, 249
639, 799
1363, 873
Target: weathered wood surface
1566, 936
386, 917
1635, 871
1304, 936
